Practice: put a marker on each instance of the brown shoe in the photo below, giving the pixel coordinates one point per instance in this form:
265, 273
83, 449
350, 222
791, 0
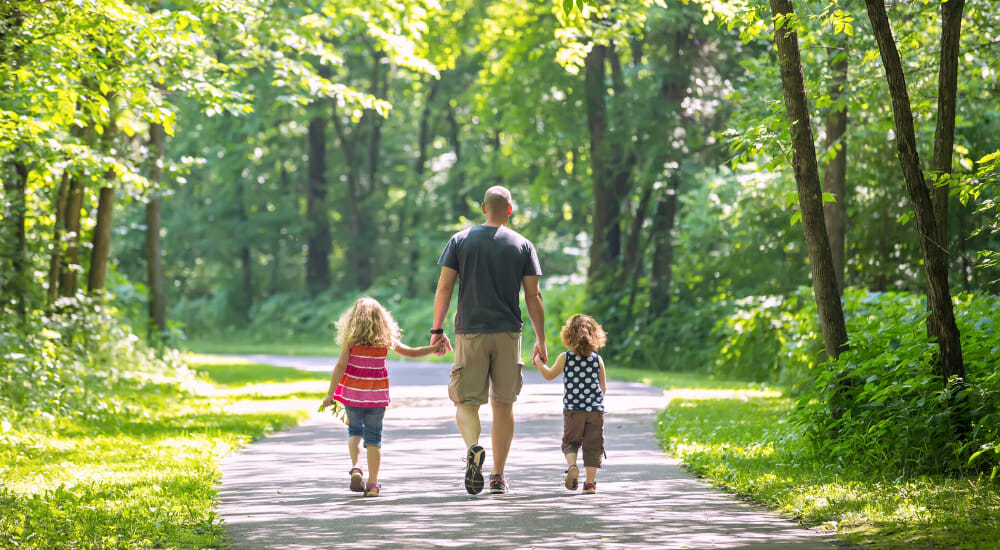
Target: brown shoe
357, 480
589, 488
572, 476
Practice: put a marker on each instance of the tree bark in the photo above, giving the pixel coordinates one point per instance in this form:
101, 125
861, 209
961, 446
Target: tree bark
154, 248
71, 267
935, 256
56, 260
605, 247
318, 239
663, 247
831, 314
944, 133
17, 284
102, 238
835, 175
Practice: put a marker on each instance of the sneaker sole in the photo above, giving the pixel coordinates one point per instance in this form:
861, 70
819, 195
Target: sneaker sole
474, 470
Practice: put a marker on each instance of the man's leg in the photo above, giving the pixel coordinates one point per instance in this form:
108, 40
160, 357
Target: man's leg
502, 434
467, 418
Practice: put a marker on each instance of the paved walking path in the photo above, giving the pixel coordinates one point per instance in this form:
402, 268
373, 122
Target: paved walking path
289, 490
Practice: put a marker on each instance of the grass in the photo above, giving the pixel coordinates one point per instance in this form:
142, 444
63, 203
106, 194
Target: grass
143, 475
740, 439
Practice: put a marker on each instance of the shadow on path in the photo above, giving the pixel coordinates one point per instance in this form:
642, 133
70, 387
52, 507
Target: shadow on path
289, 490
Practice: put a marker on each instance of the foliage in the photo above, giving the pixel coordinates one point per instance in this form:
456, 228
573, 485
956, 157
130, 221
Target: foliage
896, 415
142, 475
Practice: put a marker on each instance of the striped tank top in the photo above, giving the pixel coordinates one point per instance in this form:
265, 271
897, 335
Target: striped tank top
365, 382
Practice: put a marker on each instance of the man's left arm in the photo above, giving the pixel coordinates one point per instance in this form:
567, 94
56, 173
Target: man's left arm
536, 312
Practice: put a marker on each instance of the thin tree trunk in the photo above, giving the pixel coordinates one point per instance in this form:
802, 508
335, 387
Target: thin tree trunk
605, 247
663, 247
831, 314
154, 247
56, 260
17, 284
102, 238
935, 255
318, 239
244, 302
835, 175
419, 168
71, 267
944, 133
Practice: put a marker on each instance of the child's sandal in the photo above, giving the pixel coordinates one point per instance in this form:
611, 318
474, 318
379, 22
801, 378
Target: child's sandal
357, 480
371, 490
572, 475
589, 488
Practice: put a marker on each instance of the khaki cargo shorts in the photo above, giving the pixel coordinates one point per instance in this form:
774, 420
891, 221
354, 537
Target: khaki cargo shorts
487, 366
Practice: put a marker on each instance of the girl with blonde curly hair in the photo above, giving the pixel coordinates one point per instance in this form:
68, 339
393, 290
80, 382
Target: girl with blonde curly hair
584, 386
366, 332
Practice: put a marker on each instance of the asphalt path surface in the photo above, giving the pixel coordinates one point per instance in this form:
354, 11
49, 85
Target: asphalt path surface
290, 489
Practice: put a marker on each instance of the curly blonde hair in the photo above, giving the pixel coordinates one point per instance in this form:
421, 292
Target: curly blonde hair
367, 323
583, 335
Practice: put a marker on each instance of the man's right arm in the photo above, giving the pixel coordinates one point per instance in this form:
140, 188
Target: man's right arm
536, 312
442, 301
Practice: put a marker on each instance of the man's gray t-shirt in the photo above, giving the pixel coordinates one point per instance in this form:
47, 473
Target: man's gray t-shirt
490, 261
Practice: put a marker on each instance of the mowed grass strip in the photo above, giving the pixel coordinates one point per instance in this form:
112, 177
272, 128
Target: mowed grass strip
740, 439
143, 474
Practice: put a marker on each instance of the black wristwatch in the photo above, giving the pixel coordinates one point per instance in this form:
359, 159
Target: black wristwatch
437, 331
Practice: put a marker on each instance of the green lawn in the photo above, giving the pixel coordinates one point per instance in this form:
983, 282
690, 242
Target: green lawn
144, 475
740, 439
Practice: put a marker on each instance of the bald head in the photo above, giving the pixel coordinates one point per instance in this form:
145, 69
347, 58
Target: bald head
497, 201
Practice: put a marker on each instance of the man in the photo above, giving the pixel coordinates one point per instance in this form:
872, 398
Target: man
491, 262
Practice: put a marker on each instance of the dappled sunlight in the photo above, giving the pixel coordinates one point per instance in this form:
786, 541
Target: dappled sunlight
290, 489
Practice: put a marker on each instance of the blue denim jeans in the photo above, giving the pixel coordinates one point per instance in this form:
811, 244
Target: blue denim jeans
366, 422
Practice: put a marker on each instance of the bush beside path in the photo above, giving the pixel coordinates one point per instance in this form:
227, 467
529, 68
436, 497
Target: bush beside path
289, 490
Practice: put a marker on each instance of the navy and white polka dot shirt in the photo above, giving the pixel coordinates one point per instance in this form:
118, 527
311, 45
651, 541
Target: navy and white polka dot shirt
582, 383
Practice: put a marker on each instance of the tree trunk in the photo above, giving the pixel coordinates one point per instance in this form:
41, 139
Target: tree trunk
831, 314
605, 247
935, 256
318, 237
16, 286
154, 247
71, 267
663, 247
944, 133
835, 175
102, 238
244, 302
56, 260
419, 168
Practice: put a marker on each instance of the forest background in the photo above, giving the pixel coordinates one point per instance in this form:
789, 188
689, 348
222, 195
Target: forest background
230, 175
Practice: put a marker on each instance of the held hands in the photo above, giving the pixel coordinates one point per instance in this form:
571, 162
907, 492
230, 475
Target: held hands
540, 353
537, 361
442, 343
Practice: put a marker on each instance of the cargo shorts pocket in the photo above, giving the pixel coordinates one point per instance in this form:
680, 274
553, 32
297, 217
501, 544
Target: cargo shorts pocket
454, 385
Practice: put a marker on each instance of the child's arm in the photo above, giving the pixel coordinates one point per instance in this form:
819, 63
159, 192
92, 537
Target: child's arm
338, 373
604, 382
407, 351
549, 373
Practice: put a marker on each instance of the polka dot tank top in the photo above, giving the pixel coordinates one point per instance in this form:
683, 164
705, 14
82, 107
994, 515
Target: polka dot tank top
582, 383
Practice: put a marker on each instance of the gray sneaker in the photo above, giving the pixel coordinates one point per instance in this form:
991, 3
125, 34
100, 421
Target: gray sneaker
474, 469
498, 485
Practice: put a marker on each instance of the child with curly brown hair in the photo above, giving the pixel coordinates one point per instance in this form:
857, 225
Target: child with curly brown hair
584, 387
366, 332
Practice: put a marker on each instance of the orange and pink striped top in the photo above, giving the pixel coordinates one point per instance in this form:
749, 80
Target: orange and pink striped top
366, 381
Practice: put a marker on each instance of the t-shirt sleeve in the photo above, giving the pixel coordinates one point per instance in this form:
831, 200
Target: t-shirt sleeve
449, 257
532, 266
